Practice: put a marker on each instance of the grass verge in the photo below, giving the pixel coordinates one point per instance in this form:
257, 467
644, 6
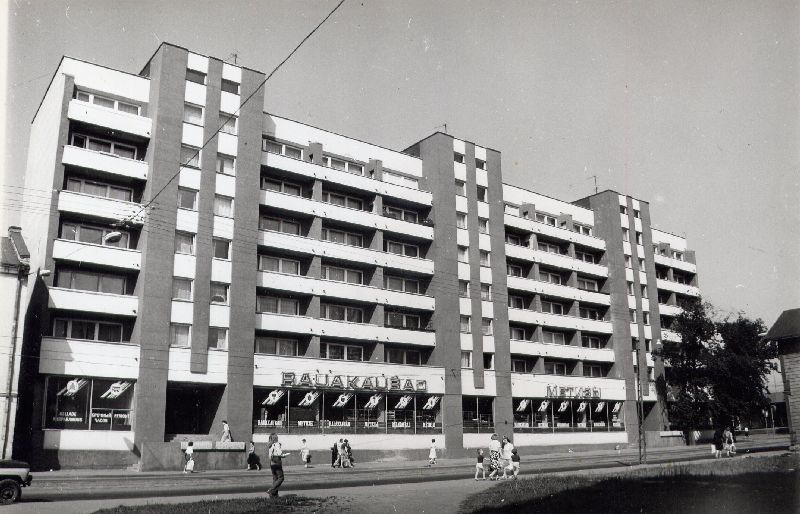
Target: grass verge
289, 503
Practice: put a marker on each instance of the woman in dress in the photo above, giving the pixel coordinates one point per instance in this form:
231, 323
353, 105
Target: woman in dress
495, 463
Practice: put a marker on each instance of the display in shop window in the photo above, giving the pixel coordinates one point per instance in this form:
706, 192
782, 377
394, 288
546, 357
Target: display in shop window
77, 403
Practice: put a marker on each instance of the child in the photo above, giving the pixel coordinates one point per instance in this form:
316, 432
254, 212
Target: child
253, 460
514, 463
479, 466
432, 453
189, 466
305, 455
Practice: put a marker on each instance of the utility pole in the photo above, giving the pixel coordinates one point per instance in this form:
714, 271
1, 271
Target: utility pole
640, 408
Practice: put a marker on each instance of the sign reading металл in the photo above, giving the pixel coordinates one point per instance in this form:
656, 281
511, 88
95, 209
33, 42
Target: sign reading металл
557, 391
290, 378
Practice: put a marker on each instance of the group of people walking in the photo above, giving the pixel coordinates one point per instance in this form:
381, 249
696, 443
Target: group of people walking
724, 440
342, 454
503, 458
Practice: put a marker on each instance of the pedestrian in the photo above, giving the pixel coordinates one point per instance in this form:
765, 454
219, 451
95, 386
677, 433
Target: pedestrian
305, 455
334, 454
479, 465
508, 449
340, 454
348, 454
747, 432
514, 463
728, 441
717, 443
226, 433
188, 466
494, 457
253, 460
276, 456
432, 453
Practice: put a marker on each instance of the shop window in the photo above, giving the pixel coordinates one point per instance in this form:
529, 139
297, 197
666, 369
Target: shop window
478, 414
77, 403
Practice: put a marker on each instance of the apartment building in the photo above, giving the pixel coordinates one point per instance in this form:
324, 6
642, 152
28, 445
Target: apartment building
209, 261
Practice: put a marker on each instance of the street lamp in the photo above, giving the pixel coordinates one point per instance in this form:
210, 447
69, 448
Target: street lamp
640, 406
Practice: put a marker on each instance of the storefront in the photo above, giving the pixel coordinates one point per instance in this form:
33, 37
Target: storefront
82, 403
317, 403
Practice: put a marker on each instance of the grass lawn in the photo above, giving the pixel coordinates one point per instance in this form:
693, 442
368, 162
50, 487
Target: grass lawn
289, 503
741, 485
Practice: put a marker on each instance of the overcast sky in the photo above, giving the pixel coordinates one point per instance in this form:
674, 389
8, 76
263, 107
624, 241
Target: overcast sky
690, 105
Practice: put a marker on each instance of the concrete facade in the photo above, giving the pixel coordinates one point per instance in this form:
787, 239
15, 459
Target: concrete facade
286, 278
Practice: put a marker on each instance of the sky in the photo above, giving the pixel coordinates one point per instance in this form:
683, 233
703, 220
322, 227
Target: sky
693, 106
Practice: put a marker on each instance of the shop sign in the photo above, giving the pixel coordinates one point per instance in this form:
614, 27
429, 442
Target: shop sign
522, 424
269, 423
291, 378
557, 391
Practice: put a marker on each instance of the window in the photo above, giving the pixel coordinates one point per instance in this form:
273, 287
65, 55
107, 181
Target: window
481, 194
184, 243
341, 352
486, 326
341, 200
229, 86
406, 249
516, 302
399, 356
480, 164
510, 208
636, 213
553, 337
546, 219
227, 124
82, 403
463, 288
555, 368
400, 180
465, 324
587, 313
269, 145
631, 291
402, 320
91, 281
276, 346
461, 220
632, 313
483, 225
192, 114
513, 270
466, 359
278, 265
628, 261
218, 338
278, 305
644, 291
187, 199
514, 239
663, 297
89, 330
585, 257
406, 285
223, 206
592, 370
90, 187
486, 292
107, 103
190, 156
351, 276
488, 361
461, 188
222, 248
518, 333
343, 165
519, 366
342, 237
198, 77
582, 229
641, 264
280, 225
590, 342
623, 209
92, 234
638, 238
463, 254
677, 255
179, 335
341, 313
587, 284
552, 278
646, 317
219, 293
226, 164
552, 307
280, 186
485, 258
182, 289
549, 248
400, 214
458, 157
626, 234
102, 145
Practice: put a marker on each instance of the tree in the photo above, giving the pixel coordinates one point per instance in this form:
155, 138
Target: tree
718, 371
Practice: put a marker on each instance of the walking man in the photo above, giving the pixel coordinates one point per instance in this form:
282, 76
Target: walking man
275, 464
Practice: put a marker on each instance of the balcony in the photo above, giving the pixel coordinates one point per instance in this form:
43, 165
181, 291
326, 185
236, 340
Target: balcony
104, 162
561, 351
676, 287
670, 335
76, 251
100, 207
343, 214
675, 263
344, 252
88, 358
559, 321
342, 290
92, 302
556, 290
567, 262
265, 375
343, 329
561, 234
528, 385
669, 310
310, 170
109, 118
